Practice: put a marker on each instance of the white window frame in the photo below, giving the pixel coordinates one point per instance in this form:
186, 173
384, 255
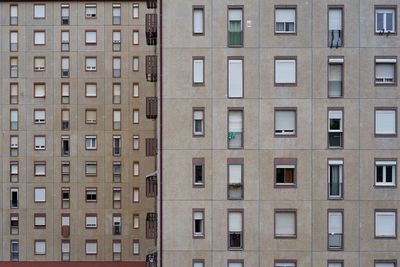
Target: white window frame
235, 82
40, 247
91, 142
386, 164
387, 233
40, 142
40, 194
338, 163
281, 19
385, 11
280, 78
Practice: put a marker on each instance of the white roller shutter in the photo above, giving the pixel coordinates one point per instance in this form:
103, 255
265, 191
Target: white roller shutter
40, 247
235, 14
385, 122
198, 21
198, 115
65, 11
40, 194
39, 90
91, 221
335, 223
385, 223
384, 70
235, 121
285, 71
14, 11
235, 221
91, 248
65, 220
116, 11
14, 115
65, 63
14, 37
65, 37
136, 195
40, 11
40, 221
285, 15
117, 63
285, 120
384, 265
91, 90
235, 78
235, 174
117, 115
198, 66
65, 247
285, 223
117, 36
39, 38
335, 19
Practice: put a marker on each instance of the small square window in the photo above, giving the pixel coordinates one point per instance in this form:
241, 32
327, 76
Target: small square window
40, 63
91, 89
91, 116
91, 247
40, 194
39, 37
91, 194
40, 168
40, 247
91, 168
386, 122
91, 63
40, 221
40, 142
39, 11
285, 71
39, 90
40, 115
285, 171
285, 122
385, 71
285, 224
90, 10
91, 142
385, 20
91, 220
385, 172
385, 223
90, 37
285, 19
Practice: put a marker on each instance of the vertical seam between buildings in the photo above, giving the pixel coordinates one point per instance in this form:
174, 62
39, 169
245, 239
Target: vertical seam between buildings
211, 133
359, 132
311, 137
259, 133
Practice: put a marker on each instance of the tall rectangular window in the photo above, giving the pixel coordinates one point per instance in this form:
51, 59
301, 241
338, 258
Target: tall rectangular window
135, 168
13, 120
136, 139
335, 179
116, 67
14, 171
116, 41
198, 20
14, 93
285, 71
116, 93
135, 90
116, 198
39, 11
116, 119
198, 121
65, 198
135, 37
136, 221
65, 171
235, 178
13, 41
198, 223
235, 77
285, 122
65, 250
385, 122
385, 19
136, 247
135, 63
198, 172
385, 71
116, 224
235, 27
64, 14
39, 37
116, 250
198, 71
235, 229
65, 67
135, 11
14, 198
65, 149
64, 41
13, 67
14, 140
135, 116
385, 172
65, 119
65, 93
335, 229
335, 33
116, 145
386, 223
13, 14
285, 19
116, 171
335, 128
235, 129
116, 14
14, 224
285, 224
335, 77
14, 250
136, 195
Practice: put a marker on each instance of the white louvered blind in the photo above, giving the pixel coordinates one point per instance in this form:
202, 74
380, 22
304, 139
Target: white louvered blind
235, 221
285, 121
385, 122
235, 174
285, 223
385, 223
335, 222
285, 71
198, 21
235, 78
198, 75
335, 19
285, 15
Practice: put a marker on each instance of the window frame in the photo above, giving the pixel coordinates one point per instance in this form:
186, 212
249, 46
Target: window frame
237, 58
137, 137
336, 60
35, 163
295, 19
65, 241
11, 59
39, 215
68, 200
91, 137
133, 37
34, 246
34, 37
114, 121
235, 161
69, 41
135, 5
341, 262
394, 7
94, 241
10, 95
34, 10
116, 253
240, 7
285, 84
14, 189
241, 211
395, 223
17, 121
114, 190
114, 58
91, 215
277, 261
133, 63
10, 17
341, 109
34, 195
393, 261
135, 241
11, 32
90, 163
114, 93
86, 39
11, 164
114, 6
295, 223
202, 234
327, 229
133, 221
69, 66
34, 116
62, 119
138, 116
65, 5
194, 83
34, 143
194, 261
133, 90
90, 189
90, 5
385, 184
86, 89
194, 133
229, 109
202, 8
396, 123
341, 174
34, 63
395, 76
285, 161
294, 135
86, 116
86, 64
341, 7
14, 215
34, 90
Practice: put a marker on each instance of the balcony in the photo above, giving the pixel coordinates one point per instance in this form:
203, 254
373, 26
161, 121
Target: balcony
151, 225
335, 240
151, 147
151, 108
151, 185
151, 68
335, 38
151, 29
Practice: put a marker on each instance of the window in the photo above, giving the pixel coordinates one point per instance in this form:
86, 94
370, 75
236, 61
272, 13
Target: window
40, 168
13, 41
14, 146
235, 129
14, 224
40, 247
135, 142
335, 128
385, 122
116, 146
285, 71
39, 11
198, 20
198, 263
235, 263
13, 67
65, 197
65, 119
40, 142
65, 146
235, 77
385, 263
65, 67
335, 77
135, 90
385, 19
40, 220
65, 93
285, 171
116, 93
91, 90
40, 194
285, 224
135, 63
91, 194
65, 224
116, 250
151, 225
284, 263
235, 27
91, 142
39, 90
116, 41
90, 37
235, 178
136, 169
64, 41
13, 120
198, 121
65, 171
91, 63
91, 220
285, 19
385, 172
335, 263
90, 10
116, 14
91, 247
14, 93
13, 14
64, 14
198, 223
116, 198
335, 179
335, 229
135, 116
135, 221
14, 171
198, 71
235, 222
335, 33
14, 250
116, 119
135, 13
136, 195
40, 37
40, 63
116, 224
14, 198
135, 38
385, 223
285, 122
385, 71
40, 115
135, 245
91, 168
65, 250
151, 185
91, 116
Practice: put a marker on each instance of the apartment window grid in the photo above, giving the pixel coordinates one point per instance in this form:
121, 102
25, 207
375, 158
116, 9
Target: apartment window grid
64, 14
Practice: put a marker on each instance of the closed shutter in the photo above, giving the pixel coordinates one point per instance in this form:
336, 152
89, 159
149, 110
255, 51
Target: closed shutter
65, 63
39, 90
14, 11
198, 264
335, 223
285, 121
198, 67
235, 174
40, 115
65, 220
91, 63
40, 141
384, 70
39, 11
117, 247
40, 247
40, 194
65, 115
198, 115
39, 38
117, 194
135, 221
235, 14
235, 121
335, 19
235, 264
151, 147
65, 247
135, 169
235, 78
14, 37
385, 122
116, 11
285, 71
65, 11
117, 36
235, 221
198, 21
91, 221
117, 115
91, 115
91, 248
135, 195
40, 221
91, 89
335, 72
91, 168
14, 168
40, 169
65, 90
14, 115
65, 37
385, 223
285, 15
117, 90
39, 63
285, 223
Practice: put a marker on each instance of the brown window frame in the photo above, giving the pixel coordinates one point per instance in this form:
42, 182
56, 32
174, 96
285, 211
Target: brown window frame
91, 241
34, 37
86, 58
14, 31
39, 4
194, 261
203, 133
341, 7
69, 93
11, 58
229, 109
17, 136
198, 162
34, 194
198, 84
65, 241
90, 43
202, 235
12, 5
133, 63
135, 5
12, 84
117, 241
14, 189
395, 223
114, 164
35, 163
295, 19
66, 163
45, 247
86, 194
69, 197
295, 122
69, 42
90, 5
285, 161
235, 161
286, 84
135, 241
295, 223
202, 8
34, 116
115, 5
65, 5
133, 116
227, 28
113, 93
91, 215
329, 197
86, 120
242, 233
394, 16
133, 36
41, 215
34, 63
90, 163
394, 261
342, 76
396, 123
395, 76
394, 185
327, 229
91, 137
90, 83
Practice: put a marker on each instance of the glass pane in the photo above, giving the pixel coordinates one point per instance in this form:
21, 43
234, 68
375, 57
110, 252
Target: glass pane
379, 174
389, 21
389, 174
379, 22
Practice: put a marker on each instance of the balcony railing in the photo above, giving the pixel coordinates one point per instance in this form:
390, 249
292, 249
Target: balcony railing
335, 240
151, 29
235, 191
335, 38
